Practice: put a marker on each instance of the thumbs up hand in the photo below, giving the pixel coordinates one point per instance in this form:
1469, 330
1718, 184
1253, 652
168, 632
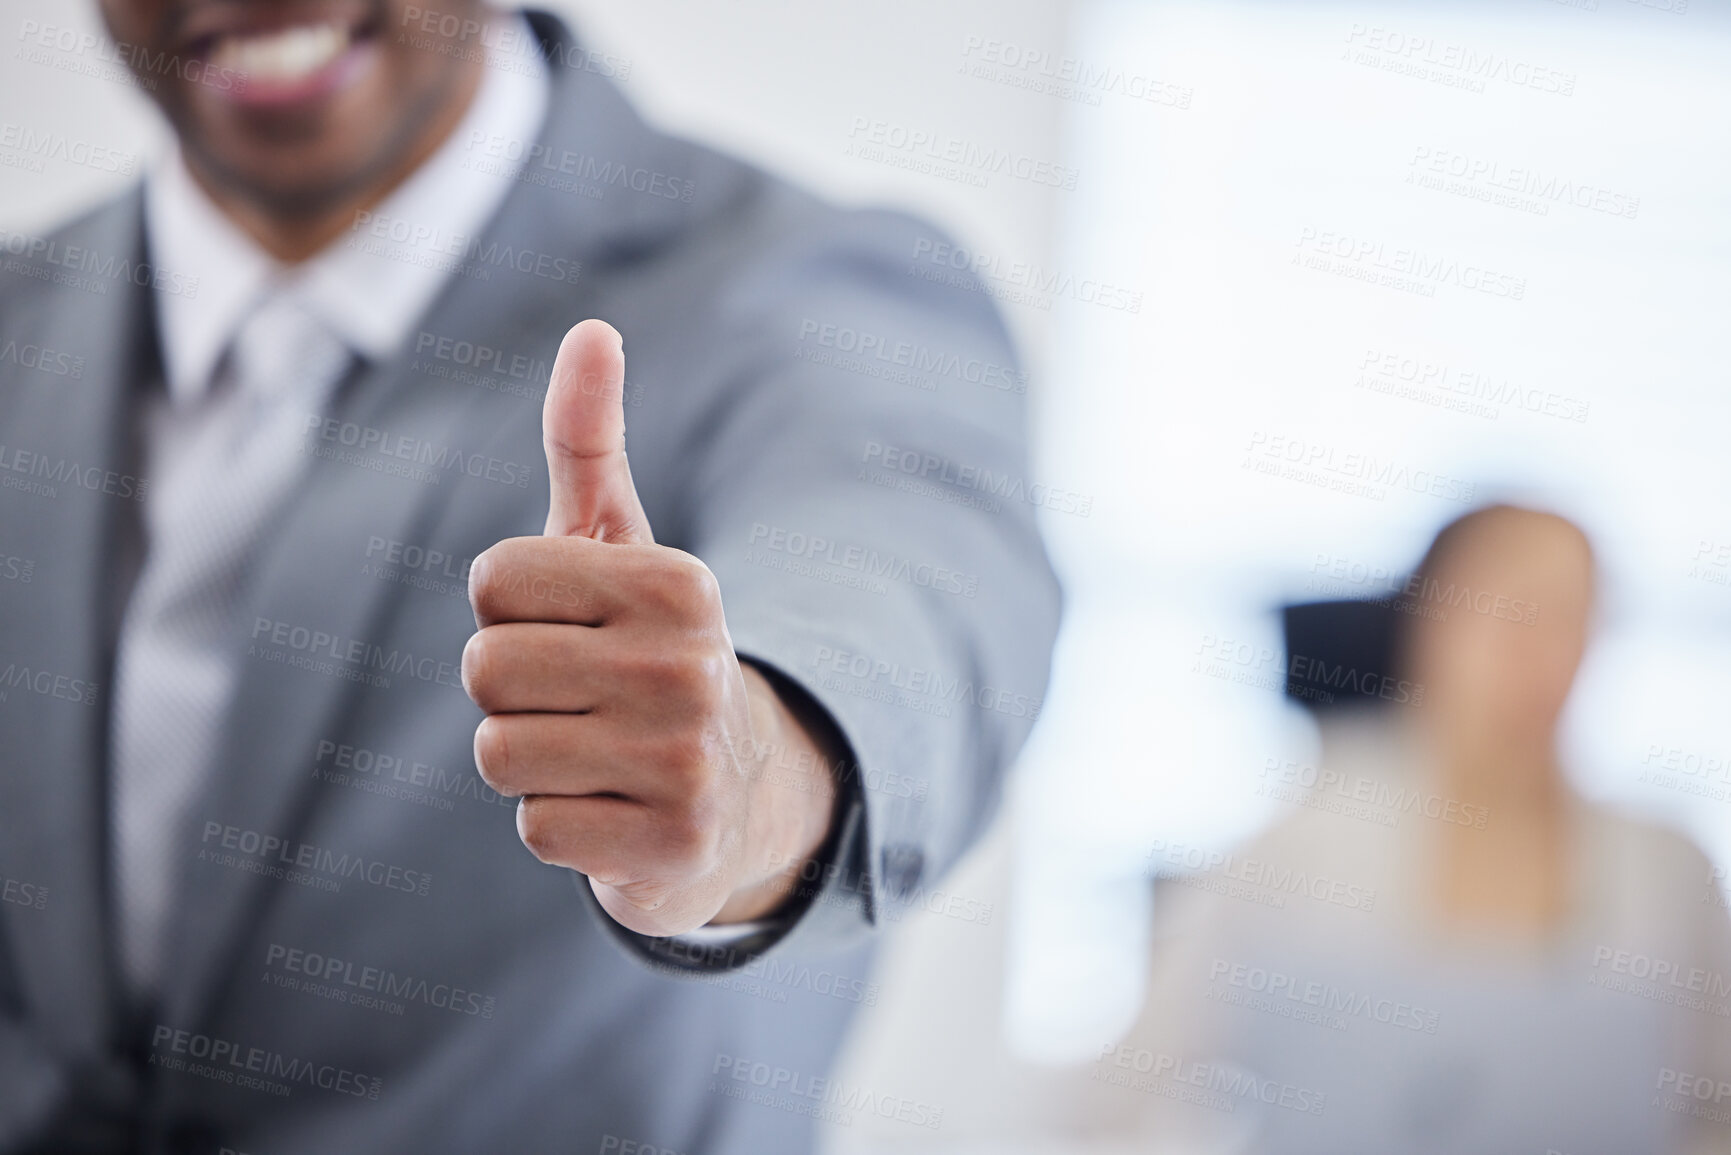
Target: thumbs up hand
617, 712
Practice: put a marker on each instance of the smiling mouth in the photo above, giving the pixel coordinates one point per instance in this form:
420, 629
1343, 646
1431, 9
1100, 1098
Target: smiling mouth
290, 62
283, 55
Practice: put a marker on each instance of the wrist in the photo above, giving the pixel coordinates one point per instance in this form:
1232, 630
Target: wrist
789, 765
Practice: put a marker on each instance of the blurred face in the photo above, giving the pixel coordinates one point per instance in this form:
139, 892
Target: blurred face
299, 107
1516, 594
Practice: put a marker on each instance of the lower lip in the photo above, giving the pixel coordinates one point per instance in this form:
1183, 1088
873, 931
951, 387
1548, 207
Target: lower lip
341, 72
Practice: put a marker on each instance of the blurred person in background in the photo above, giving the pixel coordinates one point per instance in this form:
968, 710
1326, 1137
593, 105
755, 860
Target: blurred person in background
1445, 948
258, 898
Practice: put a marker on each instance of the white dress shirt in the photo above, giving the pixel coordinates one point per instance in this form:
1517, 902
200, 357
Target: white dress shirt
259, 336
368, 294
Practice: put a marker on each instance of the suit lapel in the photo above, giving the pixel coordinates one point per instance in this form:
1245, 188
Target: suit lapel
75, 433
307, 580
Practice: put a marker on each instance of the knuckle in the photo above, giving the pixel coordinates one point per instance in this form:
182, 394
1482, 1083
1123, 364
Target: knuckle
684, 583
497, 576
477, 668
710, 669
704, 589
687, 834
484, 581
655, 666
538, 829
686, 678
493, 755
672, 674
683, 755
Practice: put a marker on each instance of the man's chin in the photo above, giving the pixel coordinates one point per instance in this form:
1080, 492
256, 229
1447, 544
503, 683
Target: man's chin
300, 188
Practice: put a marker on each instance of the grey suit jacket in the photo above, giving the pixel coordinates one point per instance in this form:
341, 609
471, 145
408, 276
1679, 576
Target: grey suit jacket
364, 956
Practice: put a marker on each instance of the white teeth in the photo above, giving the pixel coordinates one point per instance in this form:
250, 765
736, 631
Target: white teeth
283, 56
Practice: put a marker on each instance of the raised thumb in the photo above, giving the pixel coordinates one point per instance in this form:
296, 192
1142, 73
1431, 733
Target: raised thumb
583, 431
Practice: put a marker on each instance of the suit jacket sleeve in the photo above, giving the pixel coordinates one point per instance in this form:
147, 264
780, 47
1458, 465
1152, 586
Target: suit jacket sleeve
857, 478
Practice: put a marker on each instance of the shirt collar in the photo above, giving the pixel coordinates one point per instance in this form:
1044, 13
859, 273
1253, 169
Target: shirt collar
368, 288
189, 233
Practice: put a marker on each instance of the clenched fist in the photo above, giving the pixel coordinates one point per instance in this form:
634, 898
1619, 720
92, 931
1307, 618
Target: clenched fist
616, 709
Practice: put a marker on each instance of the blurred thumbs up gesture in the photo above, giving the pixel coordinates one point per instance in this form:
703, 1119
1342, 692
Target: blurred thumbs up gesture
617, 711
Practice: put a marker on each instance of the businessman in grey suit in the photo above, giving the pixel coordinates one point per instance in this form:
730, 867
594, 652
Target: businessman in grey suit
326, 588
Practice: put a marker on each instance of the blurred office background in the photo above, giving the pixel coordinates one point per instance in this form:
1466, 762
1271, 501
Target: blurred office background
1297, 283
